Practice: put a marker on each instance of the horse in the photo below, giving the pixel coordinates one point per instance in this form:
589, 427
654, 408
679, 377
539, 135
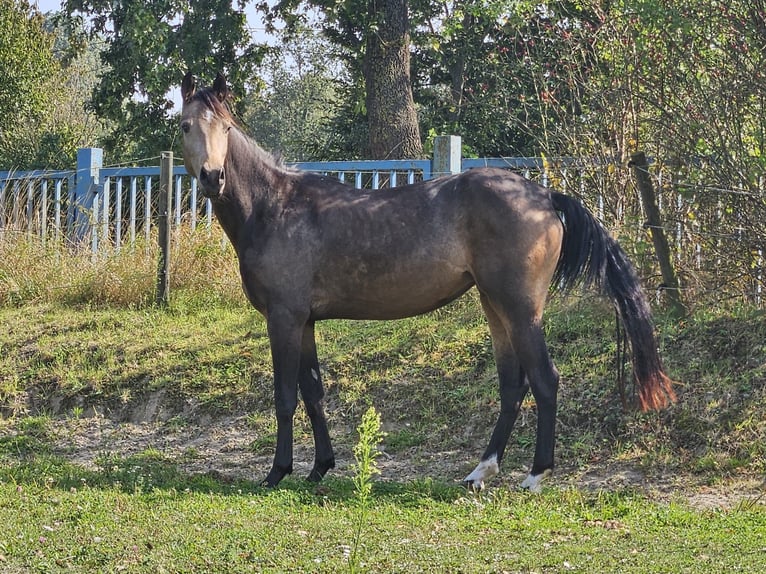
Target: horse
311, 248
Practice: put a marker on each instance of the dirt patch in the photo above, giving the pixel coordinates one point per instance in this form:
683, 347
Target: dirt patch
240, 446
224, 446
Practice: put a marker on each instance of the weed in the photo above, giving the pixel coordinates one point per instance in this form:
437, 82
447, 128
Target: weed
176, 423
365, 453
37, 426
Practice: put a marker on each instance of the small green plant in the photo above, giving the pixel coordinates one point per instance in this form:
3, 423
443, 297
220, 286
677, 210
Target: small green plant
365, 453
37, 425
404, 439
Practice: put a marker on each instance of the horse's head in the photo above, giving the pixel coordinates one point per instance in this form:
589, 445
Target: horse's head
205, 123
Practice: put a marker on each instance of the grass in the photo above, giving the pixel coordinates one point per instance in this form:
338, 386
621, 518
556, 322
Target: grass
99, 523
74, 348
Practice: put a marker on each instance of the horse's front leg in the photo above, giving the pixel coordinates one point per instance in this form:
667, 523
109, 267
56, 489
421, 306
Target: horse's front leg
285, 329
312, 391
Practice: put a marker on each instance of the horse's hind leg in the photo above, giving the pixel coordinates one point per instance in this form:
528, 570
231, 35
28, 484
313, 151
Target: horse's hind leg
513, 389
544, 381
312, 391
525, 335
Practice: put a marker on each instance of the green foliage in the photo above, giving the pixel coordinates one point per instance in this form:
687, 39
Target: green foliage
467, 77
73, 123
365, 453
27, 71
372, 40
149, 46
296, 111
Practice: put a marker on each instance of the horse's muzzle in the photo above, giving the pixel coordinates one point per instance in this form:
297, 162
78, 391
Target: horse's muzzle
212, 181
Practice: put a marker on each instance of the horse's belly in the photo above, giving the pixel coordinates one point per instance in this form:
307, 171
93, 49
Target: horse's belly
364, 295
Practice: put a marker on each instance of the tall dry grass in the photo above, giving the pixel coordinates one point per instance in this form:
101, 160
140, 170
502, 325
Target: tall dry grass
203, 266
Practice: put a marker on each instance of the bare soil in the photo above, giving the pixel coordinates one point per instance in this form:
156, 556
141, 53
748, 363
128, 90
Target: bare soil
222, 446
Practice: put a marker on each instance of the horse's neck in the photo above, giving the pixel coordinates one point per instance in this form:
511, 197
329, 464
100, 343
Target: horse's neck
251, 174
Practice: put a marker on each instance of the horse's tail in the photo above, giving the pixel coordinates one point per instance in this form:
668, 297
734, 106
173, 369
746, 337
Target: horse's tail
591, 256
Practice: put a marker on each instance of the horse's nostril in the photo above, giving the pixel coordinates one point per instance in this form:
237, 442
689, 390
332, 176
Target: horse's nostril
221, 176
203, 174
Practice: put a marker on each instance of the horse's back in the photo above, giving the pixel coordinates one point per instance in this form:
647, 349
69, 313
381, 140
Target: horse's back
387, 253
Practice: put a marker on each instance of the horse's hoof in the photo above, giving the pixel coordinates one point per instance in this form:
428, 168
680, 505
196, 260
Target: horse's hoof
320, 469
275, 476
485, 470
473, 485
272, 480
534, 482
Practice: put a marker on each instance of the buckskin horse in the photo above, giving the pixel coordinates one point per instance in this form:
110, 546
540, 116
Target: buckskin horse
311, 248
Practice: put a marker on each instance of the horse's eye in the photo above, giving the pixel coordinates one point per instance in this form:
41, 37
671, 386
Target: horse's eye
185, 127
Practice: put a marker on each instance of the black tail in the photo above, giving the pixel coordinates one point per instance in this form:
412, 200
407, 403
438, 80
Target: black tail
589, 255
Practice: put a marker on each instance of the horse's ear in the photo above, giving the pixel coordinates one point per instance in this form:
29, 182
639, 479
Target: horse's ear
188, 87
220, 88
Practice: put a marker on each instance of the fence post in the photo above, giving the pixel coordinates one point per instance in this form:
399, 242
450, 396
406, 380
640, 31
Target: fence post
163, 226
640, 167
89, 162
447, 156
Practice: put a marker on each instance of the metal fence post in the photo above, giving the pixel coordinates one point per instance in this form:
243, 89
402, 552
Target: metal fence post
89, 162
447, 156
163, 226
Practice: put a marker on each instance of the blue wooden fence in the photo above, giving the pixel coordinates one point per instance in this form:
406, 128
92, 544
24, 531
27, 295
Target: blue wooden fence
107, 208
110, 207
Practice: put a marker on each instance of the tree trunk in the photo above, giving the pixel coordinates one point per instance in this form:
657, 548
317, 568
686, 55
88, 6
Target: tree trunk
640, 167
393, 123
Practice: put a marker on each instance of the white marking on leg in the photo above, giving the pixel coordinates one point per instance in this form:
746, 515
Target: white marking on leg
315, 374
485, 470
533, 483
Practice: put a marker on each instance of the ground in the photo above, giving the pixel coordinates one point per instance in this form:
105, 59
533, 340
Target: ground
222, 446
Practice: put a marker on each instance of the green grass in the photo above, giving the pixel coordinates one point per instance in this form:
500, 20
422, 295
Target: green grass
431, 379
67, 520
74, 348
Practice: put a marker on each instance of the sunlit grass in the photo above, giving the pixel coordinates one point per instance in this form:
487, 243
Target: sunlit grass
33, 272
141, 515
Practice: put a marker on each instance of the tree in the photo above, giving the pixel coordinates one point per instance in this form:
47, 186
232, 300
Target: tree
27, 68
372, 38
681, 81
393, 123
71, 123
489, 69
150, 44
295, 113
